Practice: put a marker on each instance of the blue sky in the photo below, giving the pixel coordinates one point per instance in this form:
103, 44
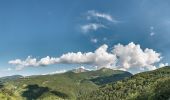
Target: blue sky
41, 28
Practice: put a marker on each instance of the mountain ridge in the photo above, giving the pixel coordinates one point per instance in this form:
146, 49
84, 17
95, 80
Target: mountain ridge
12, 77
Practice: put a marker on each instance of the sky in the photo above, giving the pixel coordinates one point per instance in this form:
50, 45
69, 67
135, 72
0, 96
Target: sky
47, 36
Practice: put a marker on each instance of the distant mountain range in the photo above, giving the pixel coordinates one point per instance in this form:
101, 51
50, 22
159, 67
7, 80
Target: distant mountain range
9, 78
82, 84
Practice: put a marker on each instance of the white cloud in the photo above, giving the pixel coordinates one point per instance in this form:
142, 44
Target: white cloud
152, 33
55, 72
94, 40
131, 56
27, 62
47, 61
100, 58
125, 57
83, 68
162, 65
97, 20
108, 17
91, 27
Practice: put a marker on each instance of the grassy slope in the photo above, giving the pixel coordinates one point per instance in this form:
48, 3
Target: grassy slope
153, 85
68, 85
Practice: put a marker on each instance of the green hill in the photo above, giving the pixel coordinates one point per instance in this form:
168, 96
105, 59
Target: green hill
9, 78
69, 85
152, 85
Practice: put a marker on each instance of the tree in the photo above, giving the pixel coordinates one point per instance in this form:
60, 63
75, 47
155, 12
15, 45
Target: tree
1, 85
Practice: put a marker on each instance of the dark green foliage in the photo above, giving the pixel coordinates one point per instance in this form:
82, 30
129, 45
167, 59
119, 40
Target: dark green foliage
34, 91
153, 85
162, 91
109, 79
59, 94
1, 85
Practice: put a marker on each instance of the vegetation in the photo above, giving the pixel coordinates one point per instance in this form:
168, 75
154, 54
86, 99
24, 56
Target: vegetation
103, 84
69, 85
8, 93
10, 78
153, 85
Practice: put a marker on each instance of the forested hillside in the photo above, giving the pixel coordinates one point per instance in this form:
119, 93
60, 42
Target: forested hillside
152, 85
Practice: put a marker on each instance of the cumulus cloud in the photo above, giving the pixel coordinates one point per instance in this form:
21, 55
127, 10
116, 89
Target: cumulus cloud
27, 62
95, 14
163, 64
91, 27
100, 57
83, 68
124, 57
131, 56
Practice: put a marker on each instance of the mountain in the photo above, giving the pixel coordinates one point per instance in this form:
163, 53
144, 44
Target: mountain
9, 78
68, 85
152, 85
79, 70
